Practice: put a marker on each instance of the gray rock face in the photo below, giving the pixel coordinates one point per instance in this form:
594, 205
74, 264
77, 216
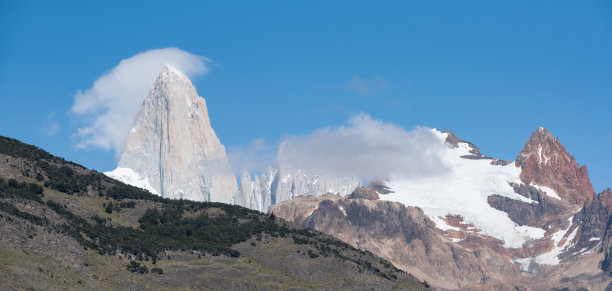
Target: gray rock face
249, 194
282, 184
290, 183
172, 147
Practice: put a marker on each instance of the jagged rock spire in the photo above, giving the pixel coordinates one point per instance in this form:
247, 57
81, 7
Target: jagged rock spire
173, 146
546, 162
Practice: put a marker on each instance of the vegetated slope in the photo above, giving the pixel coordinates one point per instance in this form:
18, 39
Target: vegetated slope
63, 226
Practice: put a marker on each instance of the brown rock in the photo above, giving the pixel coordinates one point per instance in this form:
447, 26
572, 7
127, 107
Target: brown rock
371, 191
406, 237
453, 141
545, 162
364, 193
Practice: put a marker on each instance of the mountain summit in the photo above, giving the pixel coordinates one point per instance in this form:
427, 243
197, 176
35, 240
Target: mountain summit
172, 149
544, 161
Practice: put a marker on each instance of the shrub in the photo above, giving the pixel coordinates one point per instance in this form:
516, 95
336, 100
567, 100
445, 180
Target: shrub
135, 267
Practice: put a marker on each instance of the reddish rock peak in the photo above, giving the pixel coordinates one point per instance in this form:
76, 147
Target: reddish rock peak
545, 162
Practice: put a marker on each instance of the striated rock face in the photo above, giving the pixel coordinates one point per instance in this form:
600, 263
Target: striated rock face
593, 224
282, 183
545, 162
249, 194
290, 183
172, 146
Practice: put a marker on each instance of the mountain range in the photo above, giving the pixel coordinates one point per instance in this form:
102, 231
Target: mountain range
535, 223
481, 223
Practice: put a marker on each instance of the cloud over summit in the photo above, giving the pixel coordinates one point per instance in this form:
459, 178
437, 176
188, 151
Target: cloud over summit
366, 148
108, 107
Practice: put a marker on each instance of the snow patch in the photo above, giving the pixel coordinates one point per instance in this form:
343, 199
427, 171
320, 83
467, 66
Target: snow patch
593, 239
523, 264
442, 225
593, 249
128, 176
540, 154
552, 257
548, 191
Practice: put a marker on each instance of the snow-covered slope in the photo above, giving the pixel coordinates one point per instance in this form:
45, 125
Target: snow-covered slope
128, 176
463, 191
173, 147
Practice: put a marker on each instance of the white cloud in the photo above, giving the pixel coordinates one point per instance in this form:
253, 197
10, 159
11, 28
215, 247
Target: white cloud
113, 100
255, 157
366, 148
367, 86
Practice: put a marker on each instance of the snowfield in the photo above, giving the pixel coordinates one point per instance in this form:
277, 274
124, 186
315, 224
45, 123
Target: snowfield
463, 190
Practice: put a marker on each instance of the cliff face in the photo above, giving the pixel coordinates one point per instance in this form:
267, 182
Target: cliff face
283, 183
545, 162
172, 146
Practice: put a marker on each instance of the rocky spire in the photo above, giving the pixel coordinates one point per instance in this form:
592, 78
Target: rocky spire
173, 147
545, 162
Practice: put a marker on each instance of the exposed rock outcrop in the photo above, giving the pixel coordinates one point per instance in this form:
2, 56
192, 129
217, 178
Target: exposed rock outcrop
403, 235
539, 213
371, 191
545, 162
283, 183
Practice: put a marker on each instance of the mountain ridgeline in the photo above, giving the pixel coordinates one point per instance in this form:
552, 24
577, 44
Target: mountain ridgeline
535, 223
173, 151
64, 226
487, 224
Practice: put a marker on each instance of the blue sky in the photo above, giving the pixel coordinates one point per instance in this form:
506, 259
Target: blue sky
490, 72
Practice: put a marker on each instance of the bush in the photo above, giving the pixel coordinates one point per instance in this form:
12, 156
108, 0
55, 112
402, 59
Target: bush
135, 267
